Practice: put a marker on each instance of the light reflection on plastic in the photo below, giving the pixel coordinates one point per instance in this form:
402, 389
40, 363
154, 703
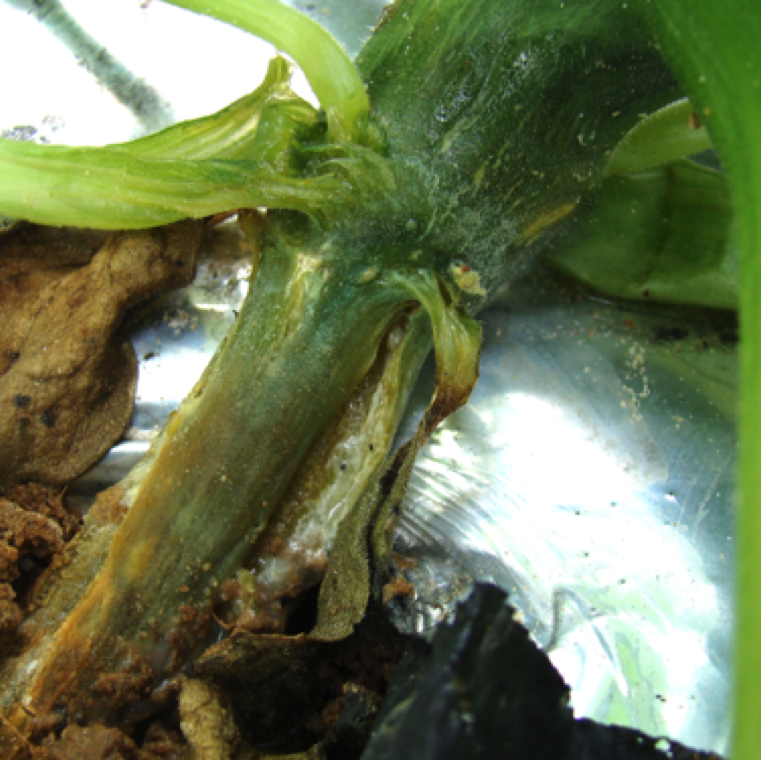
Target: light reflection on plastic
52, 88
221, 307
580, 470
568, 517
177, 371
218, 65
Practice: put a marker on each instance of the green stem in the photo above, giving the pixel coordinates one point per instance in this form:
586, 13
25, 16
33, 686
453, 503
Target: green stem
308, 333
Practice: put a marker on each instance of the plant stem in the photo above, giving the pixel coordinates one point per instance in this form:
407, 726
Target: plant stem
308, 332
442, 213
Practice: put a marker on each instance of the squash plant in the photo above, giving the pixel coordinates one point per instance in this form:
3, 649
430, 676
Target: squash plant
468, 136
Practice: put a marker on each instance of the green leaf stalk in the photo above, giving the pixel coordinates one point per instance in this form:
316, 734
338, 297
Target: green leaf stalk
715, 53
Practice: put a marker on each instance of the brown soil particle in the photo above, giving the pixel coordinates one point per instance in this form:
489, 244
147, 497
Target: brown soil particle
35, 526
404, 563
46, 501
124, 689
97, 742
160, 742
11, 615
110, 506
8, 561
397, 587
28, 533
94, 742
67, 376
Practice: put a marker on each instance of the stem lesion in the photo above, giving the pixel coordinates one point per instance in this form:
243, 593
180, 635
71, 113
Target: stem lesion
293, 551
330, 354
235, 510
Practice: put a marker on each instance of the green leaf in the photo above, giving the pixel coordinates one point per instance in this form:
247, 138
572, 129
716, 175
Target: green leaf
240, 157
671, 133
257, 126
107, 188
333, 76
714, 49
660, 235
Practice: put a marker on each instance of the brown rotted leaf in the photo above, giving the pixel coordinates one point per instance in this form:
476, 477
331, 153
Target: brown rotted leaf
298, 694
67, 375
272, 680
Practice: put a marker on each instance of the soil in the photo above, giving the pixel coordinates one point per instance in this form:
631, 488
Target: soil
97, 742
35, 526
67, 371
